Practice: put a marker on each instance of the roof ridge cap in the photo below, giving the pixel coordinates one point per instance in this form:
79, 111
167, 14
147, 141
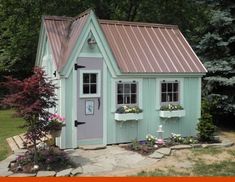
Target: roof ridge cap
117, 22
56, 18
82, 14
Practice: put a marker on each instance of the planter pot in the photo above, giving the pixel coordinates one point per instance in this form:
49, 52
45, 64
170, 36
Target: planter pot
172, 114
128, 116
55, 133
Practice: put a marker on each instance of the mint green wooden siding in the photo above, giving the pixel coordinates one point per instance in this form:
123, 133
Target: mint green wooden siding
68, 110
124, 132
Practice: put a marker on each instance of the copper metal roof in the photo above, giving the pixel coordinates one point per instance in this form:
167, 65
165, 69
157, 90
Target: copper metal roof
150, 48
63, 33
137, 47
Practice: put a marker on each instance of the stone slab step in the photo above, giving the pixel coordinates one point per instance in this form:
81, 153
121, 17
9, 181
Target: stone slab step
92, 147
46, 173
22, 175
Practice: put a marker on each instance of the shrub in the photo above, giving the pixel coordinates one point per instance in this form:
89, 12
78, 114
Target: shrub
31, 98
51, 158
150, 140
205, 127
135, 145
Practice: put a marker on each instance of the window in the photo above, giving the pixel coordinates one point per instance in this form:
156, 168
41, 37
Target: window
126, 93
169, 92
90, 83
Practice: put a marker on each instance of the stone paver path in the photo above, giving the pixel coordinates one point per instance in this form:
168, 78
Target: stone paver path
109, 160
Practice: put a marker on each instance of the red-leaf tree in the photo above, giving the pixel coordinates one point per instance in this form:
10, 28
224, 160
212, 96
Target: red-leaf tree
31, 99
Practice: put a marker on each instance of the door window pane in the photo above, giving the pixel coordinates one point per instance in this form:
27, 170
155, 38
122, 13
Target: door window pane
89, 83
86, 88
85, 78
93, 88
93, 78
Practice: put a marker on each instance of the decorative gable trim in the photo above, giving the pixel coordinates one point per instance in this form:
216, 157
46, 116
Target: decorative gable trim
91, 26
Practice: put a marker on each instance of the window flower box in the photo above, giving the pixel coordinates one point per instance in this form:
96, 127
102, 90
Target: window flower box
128, 116
125, 113
172, 114
171, 111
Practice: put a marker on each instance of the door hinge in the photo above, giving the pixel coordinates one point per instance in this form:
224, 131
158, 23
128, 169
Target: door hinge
76, 66
76, 123
54, 73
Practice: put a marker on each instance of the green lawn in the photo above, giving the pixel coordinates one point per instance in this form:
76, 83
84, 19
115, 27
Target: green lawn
9, 126
199, 157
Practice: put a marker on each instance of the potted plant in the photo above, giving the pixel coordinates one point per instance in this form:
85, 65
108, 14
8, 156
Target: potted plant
55, 124
170, 111
125, 113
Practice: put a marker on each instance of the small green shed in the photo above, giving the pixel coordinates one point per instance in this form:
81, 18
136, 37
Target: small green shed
100, 65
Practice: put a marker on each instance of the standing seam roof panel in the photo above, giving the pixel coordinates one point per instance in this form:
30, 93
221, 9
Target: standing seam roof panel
136, 47
132, 50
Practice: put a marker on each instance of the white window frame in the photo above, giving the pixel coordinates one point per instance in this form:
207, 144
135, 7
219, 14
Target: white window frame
168, 102
114, 82
98, 83
137, 92
158, 90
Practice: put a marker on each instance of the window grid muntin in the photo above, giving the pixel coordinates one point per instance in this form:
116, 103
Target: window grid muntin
170, 92
125, 96
88, 81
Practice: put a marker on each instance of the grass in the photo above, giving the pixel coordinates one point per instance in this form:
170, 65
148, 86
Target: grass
199, 167
159, 172
209, 151
9, 126
223, 168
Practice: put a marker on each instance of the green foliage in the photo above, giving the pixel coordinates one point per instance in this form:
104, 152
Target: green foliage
178, 139
223, 168
150, 140
135, 145
51, 158
217, 50
9, 126
128, 109
171, 107
205, 127
21, 20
